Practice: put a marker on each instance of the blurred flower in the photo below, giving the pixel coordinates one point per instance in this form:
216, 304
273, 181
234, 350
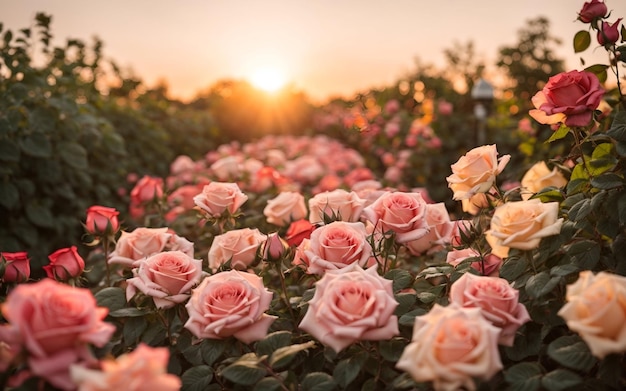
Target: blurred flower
16, 266
147, 190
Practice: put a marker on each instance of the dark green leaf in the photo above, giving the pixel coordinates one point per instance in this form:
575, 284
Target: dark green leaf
607, 181
560, 133
525, 376
197, 378
391, 350
527, 342
268, 384
582, 40
610, 369
564, 270
111, 297
408, 319
9, 151
283, 356
585, 253
133, 328
513, 268
318, 381
39, 215
9, 195
212, 349
571, 352
36, 145
245, 371
560, 379
401, 279
580, 210
348, 369
193, 354
599, 70
73, 154
541, 284
130, 312
405, 302
273, 341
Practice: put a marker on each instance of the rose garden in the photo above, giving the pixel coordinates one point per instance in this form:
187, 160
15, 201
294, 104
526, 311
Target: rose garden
378, 251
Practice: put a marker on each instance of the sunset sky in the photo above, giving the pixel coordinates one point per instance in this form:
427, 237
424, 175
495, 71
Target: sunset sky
324, 47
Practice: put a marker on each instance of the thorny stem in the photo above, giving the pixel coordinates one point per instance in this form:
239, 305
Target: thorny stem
284, 295
580, 150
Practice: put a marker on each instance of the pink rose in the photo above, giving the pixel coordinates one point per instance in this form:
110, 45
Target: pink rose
337, 204
219, 197
596, 310
399, 212
488, 266
274, 248
476, 171
16, 267
350, 305
102, 220
498, 301
608, 34
64, 264
592, 10
184, 197
230, 303
227, 168
147, 190
288, 206
337, 245
54, 324
569, 97
440, 230
139, 244
167, 277
238, 246
144, 368
451, 346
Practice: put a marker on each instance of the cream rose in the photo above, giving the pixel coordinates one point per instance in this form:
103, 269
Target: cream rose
219, 197
399, 212
498, 301
350, 305
523, 224
335, 246
476, 171
238, 246
340, 204
167, 277
539, 177
596, 310
451, 346
228, 304
288, 206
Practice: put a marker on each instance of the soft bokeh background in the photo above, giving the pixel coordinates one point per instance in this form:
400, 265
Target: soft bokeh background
324, 47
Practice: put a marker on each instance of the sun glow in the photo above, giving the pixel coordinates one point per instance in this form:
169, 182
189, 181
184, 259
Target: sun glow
268, 79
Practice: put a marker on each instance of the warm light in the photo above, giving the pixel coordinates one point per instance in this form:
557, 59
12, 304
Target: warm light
269, 80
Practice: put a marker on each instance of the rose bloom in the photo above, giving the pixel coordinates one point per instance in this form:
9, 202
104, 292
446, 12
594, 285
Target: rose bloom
569, 97
350, 305
539, 177
54, 324
341, 204
440, 230
475, 203
498, 301
298, 231
451, 346
288, 206
184, 196
230, 303
64, 264
138, 244
522, 224
609, 33
227, 168
488, 266
239, 246
167, 277
337, 245
16, 266
402, 213
596, 310
102, 220
146, 190
592, 10
475, 172
219, 197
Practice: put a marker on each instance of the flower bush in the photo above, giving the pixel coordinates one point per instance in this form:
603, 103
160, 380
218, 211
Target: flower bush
285, 264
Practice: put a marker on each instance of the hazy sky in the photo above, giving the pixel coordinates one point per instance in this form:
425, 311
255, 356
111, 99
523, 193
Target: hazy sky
325, 47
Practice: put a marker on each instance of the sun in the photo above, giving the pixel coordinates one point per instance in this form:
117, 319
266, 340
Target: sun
268, 79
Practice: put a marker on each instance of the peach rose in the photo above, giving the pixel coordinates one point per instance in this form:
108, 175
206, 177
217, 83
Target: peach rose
475, 172
54, 324
596, 310
522, 225
141, 243
569, 98
440, 230
16, 267
451, 346
498, 301
144, 368
539, 177
475, 203
288, 206
350, 305
238, 246
167, 277
337, 204
230, 303
64, 264
147, 190
219, 197
102, 220
337, 245
399, 212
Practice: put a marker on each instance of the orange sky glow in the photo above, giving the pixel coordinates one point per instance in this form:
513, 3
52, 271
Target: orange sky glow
325, 48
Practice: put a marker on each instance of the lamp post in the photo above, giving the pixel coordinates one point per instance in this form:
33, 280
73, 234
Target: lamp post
482, 94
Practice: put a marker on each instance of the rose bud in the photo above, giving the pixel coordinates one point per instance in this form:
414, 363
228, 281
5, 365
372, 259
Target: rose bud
592, 10
16, 267
64, 264
609, 33
101, 220
273, 248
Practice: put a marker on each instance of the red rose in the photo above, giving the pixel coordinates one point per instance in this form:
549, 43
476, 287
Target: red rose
609, 33
592, 10
146, 190
298, 231
16, 267
64, 264
101, 220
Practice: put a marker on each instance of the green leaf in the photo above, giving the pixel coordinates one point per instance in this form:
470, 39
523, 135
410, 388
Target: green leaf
9, 195
133, 328
111, 297
401, 279
268, 384
560, 379
582, 40
560, 133
585, 254
9, 151
527, 342
610, 369
197, 378
318, 381
405, 302
39, 215
73, 154
283, 356
391, 350
564, 270
525, 376
245, 371
571, 352
580, 210
540, 284
130, 312
212, 349
348, 369
36, 145
273, 341
408, 319
512, 268
599, 70
607, 181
